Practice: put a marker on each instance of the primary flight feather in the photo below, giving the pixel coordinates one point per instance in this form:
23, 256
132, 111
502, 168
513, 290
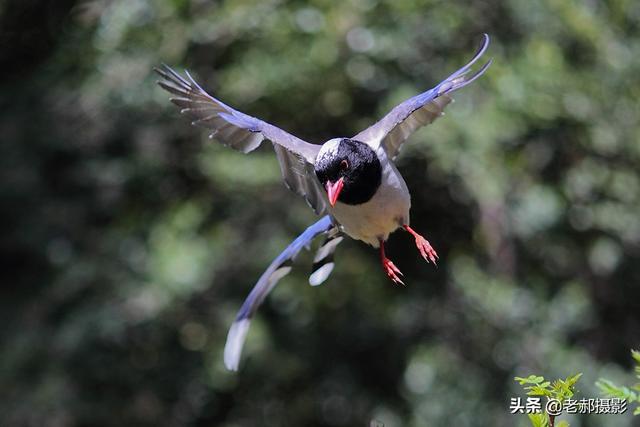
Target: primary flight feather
353, 182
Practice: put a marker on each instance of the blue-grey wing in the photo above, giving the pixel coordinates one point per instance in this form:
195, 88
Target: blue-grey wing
245, 133
279, 268
404, 119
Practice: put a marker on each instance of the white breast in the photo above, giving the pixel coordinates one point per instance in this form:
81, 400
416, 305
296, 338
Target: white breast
387, 210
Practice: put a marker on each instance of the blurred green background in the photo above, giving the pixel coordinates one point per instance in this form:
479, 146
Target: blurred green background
129, 240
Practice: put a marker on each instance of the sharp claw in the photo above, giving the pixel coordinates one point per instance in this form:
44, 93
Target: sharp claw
395, 269
389, 267
426, 250
392, 271
396, 279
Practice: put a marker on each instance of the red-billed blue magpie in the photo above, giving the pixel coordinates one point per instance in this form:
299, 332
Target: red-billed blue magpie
353, 182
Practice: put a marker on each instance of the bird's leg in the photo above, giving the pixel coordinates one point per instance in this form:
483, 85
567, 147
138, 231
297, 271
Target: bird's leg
389, 267
425, 248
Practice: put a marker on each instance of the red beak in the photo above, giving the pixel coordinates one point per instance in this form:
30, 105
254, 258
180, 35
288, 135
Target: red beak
333, 190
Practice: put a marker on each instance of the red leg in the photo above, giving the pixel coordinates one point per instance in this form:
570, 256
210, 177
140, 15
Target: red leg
427, 252
389, 267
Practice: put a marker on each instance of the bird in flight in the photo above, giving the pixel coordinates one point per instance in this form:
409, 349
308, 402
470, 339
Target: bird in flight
352, 182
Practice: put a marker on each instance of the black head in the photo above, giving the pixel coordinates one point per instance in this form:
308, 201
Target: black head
354, 164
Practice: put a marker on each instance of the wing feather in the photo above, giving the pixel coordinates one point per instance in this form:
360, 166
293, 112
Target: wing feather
245, 133
394, 128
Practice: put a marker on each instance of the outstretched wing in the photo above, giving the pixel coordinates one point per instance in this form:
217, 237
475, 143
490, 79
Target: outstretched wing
279, 268
394, 128
245, 133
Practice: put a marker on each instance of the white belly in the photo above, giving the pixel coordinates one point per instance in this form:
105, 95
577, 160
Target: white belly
387, 210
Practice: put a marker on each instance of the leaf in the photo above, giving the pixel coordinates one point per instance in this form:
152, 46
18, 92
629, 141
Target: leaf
610, 389
636, 356
531, 379
538, 391
563, 389
574, 379
539, 420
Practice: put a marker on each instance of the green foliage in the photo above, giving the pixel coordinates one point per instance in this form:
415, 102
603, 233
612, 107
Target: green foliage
542, 420
539, 420
631, 395
559, 390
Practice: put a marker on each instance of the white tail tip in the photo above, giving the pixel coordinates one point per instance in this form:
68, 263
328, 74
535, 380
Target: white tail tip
235, 342
320, 275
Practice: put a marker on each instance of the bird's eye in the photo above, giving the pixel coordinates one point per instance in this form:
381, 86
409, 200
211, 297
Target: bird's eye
344, 165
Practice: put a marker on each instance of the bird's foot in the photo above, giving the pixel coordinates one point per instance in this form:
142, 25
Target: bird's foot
425, 248
392, 271
389, 267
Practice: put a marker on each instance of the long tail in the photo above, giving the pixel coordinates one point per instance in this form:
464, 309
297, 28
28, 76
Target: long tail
279, 268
